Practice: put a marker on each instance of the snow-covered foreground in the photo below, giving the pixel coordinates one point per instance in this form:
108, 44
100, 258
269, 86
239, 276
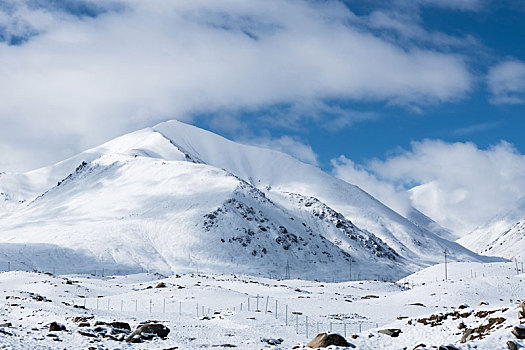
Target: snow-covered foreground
203, 310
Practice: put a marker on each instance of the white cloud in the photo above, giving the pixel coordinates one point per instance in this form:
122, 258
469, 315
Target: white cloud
289, 145
394, 197
457, 184
506, 82
91, 78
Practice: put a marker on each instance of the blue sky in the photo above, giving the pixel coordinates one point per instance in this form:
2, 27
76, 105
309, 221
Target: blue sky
497, 27
424, 96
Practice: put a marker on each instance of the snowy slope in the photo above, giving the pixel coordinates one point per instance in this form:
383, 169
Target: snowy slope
174, 215
503, 235
421, 220
273, 171
210, 311
159, 199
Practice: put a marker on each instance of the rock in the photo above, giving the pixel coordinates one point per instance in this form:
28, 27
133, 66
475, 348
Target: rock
324, 340
84, 324
56, 327
467, 335
79, 319
393, 332
462, 306
417, 304
462, 325
7, 324
448, 347
148, 331
512, 345
120, 325
370, 296
87, 334
161, 285
420, 346
521, 315
272, 341
522, 305
519, 332
483, 303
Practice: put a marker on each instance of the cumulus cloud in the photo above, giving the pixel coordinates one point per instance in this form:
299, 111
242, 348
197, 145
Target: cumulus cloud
287, 144
395, 197
457, 184
91, 74
506, 82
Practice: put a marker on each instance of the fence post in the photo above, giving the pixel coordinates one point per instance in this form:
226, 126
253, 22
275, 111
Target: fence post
121, 305
241, 306
136, 305
180, 308
330, 326
108, 304
164, 305
97, 303
257, 309
306, 327
248, 303
266, 308
286, 315
150, 302
275, 308
197, 309
345, 328
296, 323
360, 327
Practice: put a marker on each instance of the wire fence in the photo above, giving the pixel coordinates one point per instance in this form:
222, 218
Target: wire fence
276, 313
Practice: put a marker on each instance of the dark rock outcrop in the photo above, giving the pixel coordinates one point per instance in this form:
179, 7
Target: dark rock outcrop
324, 340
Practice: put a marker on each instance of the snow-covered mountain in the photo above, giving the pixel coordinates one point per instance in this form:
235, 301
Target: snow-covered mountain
178, 198
503, 235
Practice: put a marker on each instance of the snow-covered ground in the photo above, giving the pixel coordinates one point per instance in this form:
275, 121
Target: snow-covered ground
211, 310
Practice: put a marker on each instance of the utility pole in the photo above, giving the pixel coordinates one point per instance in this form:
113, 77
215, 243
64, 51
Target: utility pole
350, 268
446, 272
287, 272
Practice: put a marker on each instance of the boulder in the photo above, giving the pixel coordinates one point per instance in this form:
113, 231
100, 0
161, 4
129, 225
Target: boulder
324, 340
393, 332
56, 327
80, 319
448, 347
519, 332
147, 331
512, 345
161, 285
467, 335
120, 325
